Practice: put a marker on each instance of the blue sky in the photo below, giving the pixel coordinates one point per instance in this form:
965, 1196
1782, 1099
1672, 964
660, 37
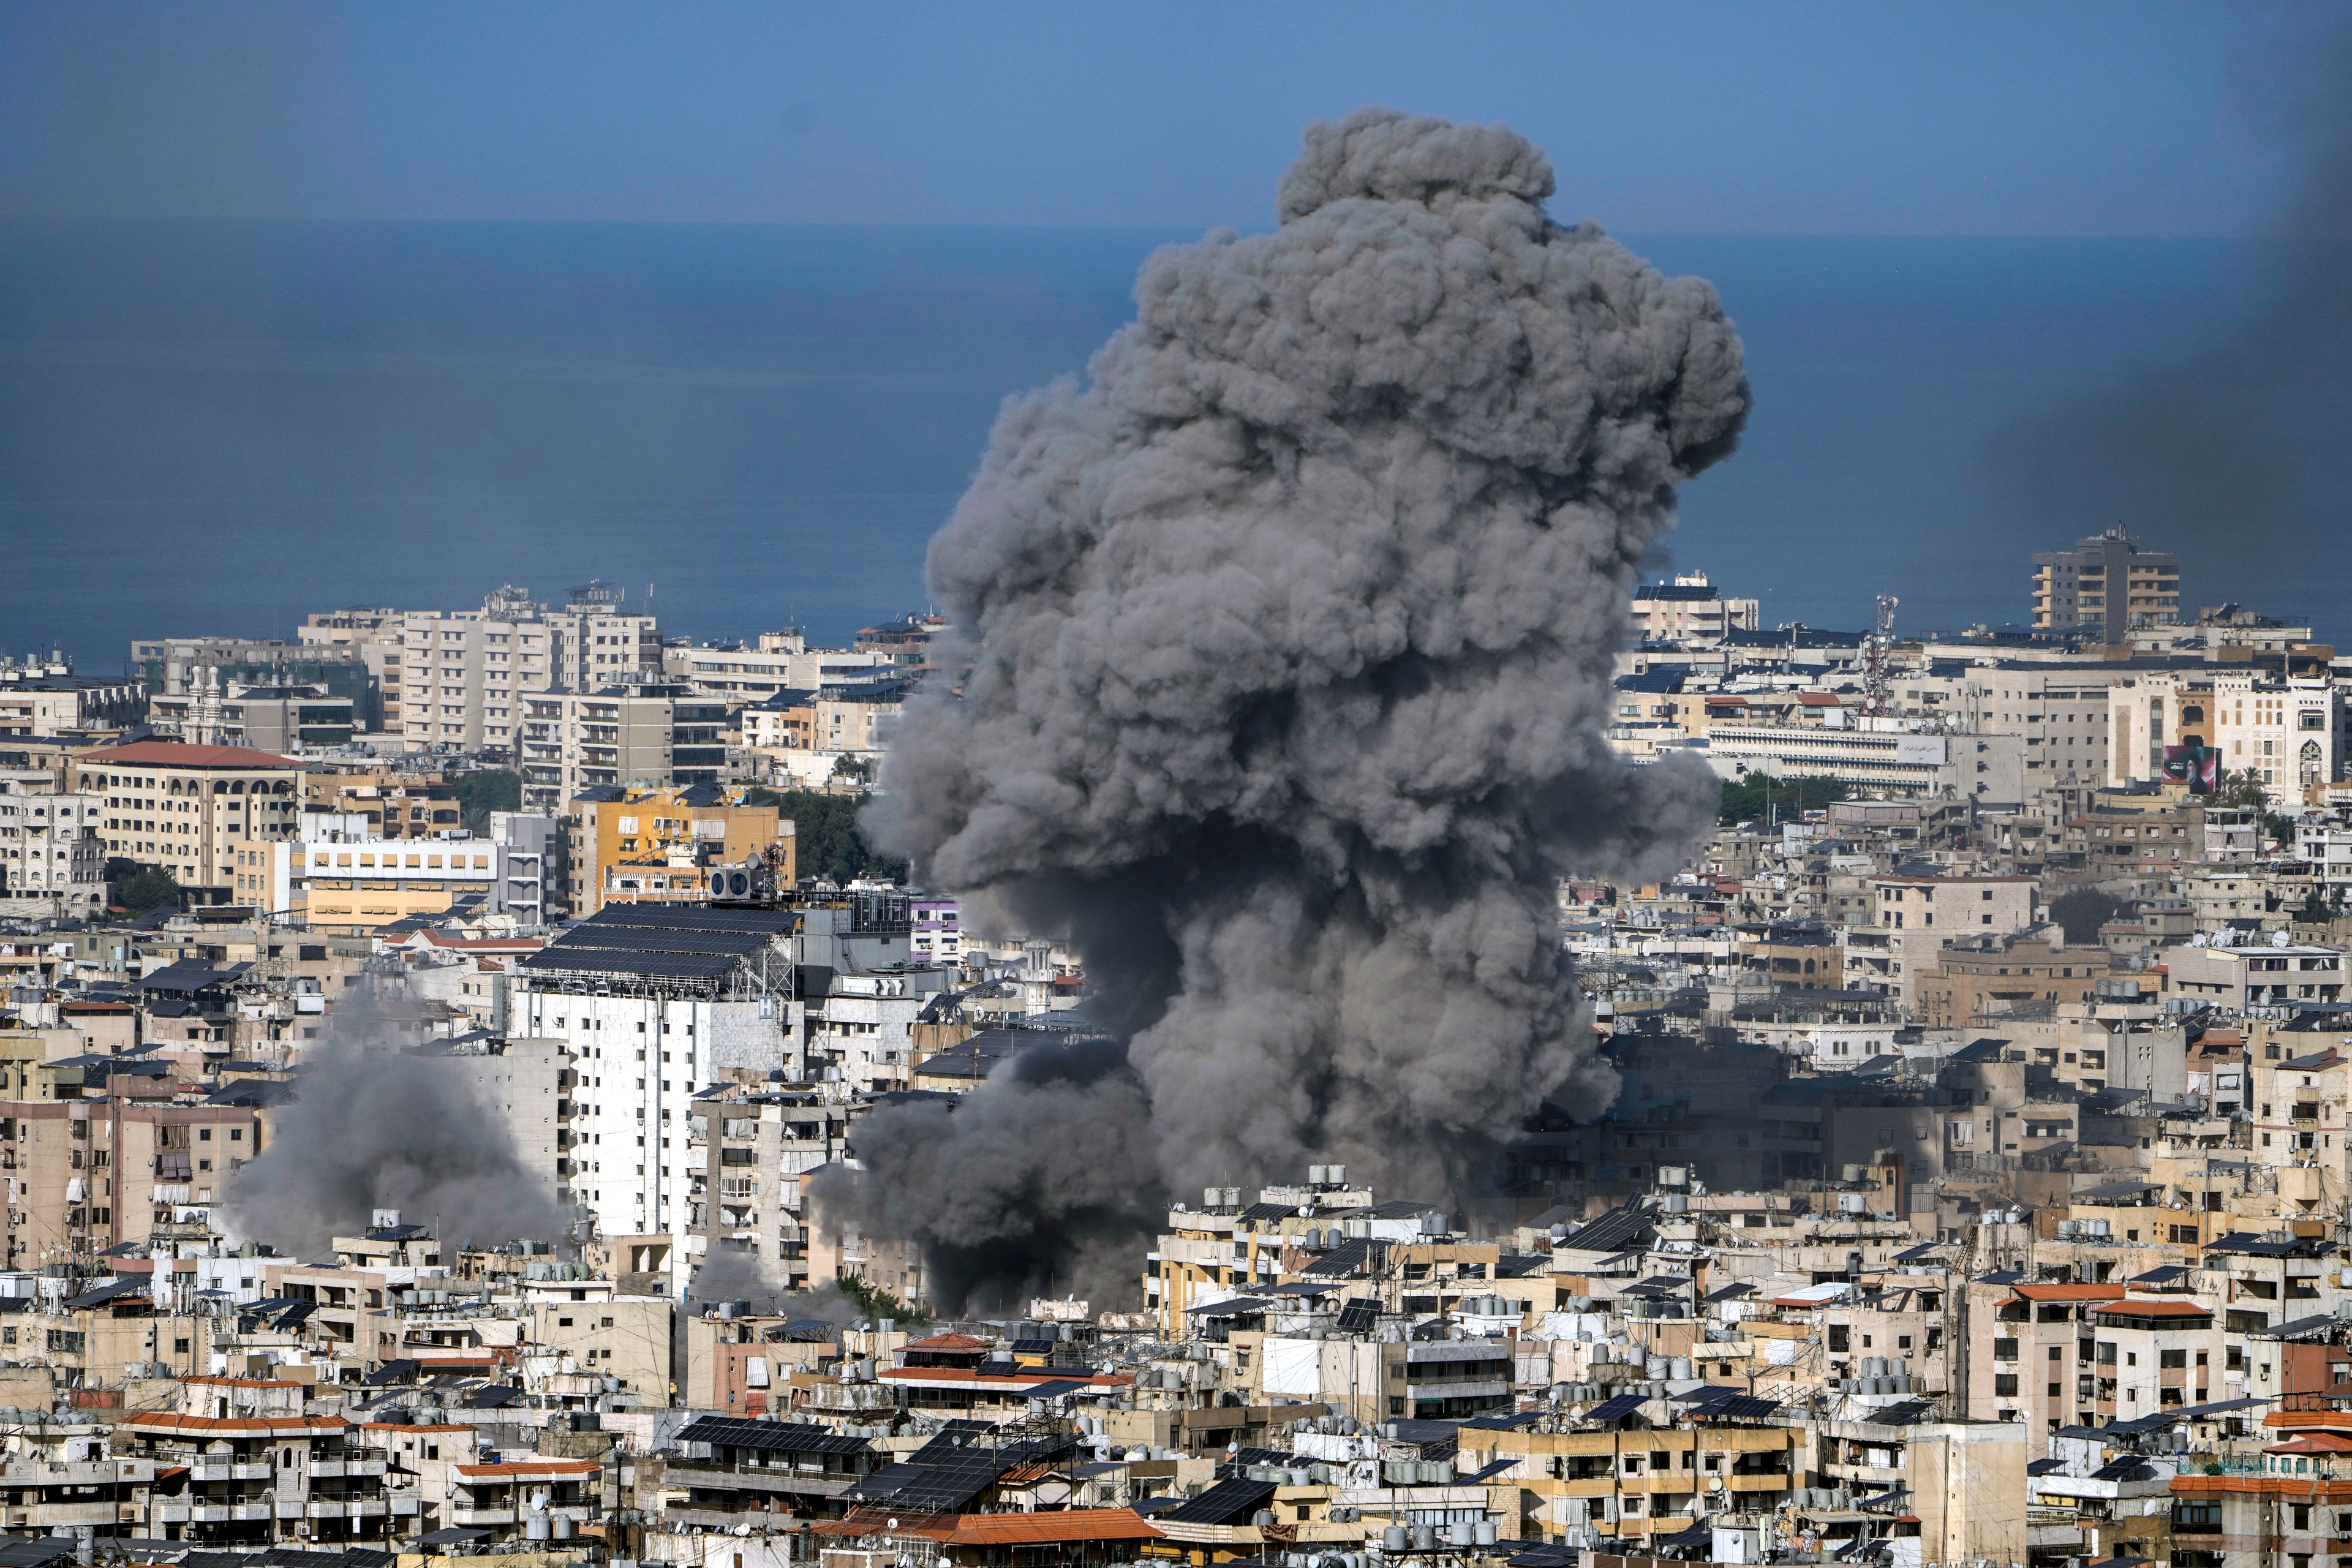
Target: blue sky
2088, 119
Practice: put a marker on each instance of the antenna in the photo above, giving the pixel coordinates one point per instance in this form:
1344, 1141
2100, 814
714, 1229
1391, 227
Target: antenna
1877, 649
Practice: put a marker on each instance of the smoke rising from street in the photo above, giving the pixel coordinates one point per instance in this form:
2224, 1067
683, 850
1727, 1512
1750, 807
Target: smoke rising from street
371, 1129
1289, 637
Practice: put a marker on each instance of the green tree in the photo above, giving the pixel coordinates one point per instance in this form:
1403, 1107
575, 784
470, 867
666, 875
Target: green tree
1756, 798
2316, 909
139, 887
484, 791
875, 1302
826, 840
2081, 913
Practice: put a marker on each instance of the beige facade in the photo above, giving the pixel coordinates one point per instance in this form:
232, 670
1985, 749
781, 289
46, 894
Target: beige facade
185, 808
647, 829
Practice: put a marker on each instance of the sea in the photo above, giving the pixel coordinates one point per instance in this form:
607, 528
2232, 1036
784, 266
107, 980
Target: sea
222, 427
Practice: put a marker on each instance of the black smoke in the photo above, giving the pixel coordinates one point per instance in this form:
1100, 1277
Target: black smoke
1289, 638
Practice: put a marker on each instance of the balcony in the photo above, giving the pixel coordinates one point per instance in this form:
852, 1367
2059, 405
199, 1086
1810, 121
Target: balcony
234, 1471
474, 1517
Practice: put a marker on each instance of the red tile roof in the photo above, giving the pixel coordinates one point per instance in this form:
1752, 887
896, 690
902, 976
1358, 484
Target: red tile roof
2158, 1308
509, 1469
2069, 1292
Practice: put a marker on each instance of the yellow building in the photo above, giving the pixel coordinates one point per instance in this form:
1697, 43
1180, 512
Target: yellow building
367, 884
185, 808
646, 845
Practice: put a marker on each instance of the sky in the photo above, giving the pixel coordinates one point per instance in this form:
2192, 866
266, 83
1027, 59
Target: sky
2140, 120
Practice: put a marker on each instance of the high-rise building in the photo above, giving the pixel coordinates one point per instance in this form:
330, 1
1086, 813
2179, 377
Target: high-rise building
647, 732
465, 674
2107, 585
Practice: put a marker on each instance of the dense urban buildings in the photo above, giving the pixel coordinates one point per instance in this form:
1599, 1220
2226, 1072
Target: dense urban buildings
1976, 1191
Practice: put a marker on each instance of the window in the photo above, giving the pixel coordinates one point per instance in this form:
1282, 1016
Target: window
2004, 1385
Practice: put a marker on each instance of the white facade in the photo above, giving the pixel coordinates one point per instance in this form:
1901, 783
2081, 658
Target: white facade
464, 674
779, 661
638, 1061
470, 861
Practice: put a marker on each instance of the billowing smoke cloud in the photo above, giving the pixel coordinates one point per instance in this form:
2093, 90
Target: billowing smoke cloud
1289, 638
2237, 457
375, 1128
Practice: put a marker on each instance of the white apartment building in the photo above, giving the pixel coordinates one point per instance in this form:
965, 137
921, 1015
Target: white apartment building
464, 674
647, 1029
1886, 753
1690, 609
866, 1024
776, 661
50, 843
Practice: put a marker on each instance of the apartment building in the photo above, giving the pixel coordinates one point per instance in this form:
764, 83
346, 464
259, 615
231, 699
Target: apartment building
645, 733
61, 704
277, 717
366, 884
393, 804
50, 844
654, 1002
1691, 608
373, 637
187, 808
774, 662
748, 1153
465, 674
621, 836
2106, 586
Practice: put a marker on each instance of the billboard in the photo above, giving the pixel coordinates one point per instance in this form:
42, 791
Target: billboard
2199, 767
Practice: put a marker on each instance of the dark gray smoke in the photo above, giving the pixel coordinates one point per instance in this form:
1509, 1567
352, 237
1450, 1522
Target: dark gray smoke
371, 1128
2236, 456
1290, 641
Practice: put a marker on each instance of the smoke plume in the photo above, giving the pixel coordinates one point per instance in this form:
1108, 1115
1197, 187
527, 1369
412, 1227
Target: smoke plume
371, 1128
2236, 455
1289, 640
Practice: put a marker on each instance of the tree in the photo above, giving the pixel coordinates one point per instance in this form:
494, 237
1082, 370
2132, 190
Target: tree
139, 887
2315, 909
1755, 797
826, 840
2081, 913
875, 1302
484, 791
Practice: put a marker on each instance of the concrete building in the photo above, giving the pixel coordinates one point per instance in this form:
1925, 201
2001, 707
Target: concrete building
178, 668
67, 704
269, 717
622, 838
646, 734
50, 844
526, 866
1691, 608
366, 884
2106, 586
653, 1004
189, 808
465, 675
775, 662
2288, 733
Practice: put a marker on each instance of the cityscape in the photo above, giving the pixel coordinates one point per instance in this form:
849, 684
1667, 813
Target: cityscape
1316, 997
